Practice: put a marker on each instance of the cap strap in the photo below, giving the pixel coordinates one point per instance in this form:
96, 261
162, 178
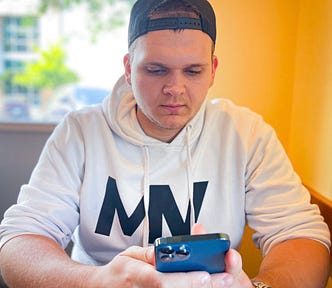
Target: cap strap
174, 23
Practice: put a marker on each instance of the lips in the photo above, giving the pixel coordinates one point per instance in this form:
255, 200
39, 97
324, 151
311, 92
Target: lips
173, 108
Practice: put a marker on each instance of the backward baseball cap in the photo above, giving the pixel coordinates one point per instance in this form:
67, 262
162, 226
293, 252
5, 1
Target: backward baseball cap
140, 22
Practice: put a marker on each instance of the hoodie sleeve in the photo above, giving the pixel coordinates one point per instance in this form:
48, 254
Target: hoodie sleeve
48, 204
277, 204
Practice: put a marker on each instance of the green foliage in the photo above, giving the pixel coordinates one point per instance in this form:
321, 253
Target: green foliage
28, 21
49, 71
5, 76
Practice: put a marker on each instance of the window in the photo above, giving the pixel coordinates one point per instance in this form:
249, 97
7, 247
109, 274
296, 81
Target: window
12, 90
31, 87
20, 34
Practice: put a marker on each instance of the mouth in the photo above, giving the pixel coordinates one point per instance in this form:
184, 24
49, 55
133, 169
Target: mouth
173, 108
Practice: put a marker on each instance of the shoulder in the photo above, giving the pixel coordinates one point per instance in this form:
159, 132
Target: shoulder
86, 113
227, 118
224, 112
84, 117
78, 123
221, 106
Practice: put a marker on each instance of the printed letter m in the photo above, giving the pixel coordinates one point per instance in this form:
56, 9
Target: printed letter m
112, 202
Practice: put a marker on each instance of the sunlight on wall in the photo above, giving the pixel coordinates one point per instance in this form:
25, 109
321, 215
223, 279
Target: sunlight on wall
256, 45
311, 133
275, 58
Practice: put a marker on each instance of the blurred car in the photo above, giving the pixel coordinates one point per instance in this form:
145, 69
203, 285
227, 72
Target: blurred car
15, 111
90, 96
71, 98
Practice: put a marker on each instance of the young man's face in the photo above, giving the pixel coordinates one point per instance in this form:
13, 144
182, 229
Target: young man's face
170, 73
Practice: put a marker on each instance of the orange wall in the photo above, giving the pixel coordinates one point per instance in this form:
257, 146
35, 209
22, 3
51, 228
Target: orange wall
311, 130
256, 45
275, 57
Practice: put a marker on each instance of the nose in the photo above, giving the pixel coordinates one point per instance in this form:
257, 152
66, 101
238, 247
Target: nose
175, 85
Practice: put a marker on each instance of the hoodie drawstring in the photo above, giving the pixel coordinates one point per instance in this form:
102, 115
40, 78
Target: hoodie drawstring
146, 195
146, 192
190, 181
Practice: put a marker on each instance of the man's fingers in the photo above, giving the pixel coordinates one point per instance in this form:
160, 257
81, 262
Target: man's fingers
186, 280
198, 229
147, 276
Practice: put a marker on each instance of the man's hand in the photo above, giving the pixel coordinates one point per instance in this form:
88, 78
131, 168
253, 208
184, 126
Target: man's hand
135, 267
234, 276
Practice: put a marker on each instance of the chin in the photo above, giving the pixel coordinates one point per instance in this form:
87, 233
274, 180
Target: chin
172, 122
173, 126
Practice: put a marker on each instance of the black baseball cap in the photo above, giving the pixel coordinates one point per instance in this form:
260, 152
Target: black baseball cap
140, 22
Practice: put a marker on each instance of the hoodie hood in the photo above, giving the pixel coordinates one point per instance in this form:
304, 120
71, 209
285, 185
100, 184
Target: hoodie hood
120, 111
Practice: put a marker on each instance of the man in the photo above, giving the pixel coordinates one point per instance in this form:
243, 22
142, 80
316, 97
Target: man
154, 159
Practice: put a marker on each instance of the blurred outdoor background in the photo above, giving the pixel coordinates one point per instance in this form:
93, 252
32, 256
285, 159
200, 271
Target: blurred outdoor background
58, 55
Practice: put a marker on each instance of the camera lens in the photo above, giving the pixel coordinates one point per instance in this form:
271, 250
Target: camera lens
167, 257
167, 250
183, 251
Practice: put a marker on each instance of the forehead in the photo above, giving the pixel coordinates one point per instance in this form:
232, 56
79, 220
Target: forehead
179, 45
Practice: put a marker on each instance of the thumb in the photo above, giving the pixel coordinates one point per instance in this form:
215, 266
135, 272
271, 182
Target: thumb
149, 255
145, 254
233, 262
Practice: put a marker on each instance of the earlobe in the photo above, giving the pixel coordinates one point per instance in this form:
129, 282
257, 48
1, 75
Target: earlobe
214, 68
126, 63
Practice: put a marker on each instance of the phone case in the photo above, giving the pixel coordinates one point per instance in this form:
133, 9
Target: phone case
185, 253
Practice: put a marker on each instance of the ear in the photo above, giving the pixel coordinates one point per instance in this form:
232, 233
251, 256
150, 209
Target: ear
214, 68
126, 64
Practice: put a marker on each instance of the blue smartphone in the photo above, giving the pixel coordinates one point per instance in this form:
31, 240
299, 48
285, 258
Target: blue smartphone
185, 253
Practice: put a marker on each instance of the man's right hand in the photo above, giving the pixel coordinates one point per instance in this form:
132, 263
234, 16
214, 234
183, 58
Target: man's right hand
135, 268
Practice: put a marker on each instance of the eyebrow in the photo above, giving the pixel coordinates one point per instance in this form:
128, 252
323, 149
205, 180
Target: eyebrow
195, 65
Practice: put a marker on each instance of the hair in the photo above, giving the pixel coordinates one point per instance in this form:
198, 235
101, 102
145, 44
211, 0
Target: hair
172, 8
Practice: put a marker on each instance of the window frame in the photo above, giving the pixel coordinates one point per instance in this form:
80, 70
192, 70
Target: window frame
27, 127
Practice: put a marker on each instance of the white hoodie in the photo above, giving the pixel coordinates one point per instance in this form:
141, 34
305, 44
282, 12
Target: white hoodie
101, 181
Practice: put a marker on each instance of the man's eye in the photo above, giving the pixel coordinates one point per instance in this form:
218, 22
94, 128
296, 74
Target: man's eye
193, 72
156, 70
